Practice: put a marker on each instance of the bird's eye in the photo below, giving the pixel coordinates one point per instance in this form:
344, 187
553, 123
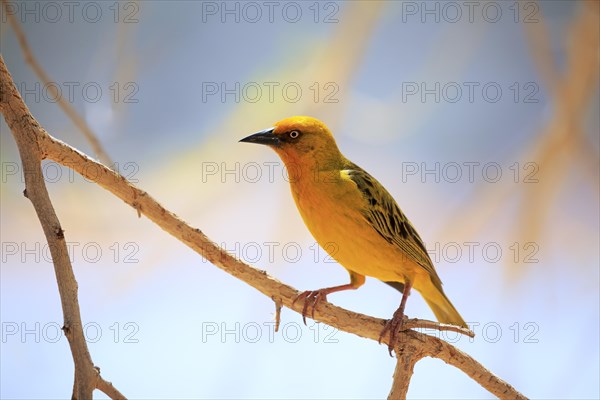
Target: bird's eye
294, 134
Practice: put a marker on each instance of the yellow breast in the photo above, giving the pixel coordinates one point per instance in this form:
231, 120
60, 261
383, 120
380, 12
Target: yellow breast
331, 207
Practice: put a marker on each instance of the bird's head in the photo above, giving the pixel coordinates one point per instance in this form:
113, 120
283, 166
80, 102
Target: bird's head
300, 140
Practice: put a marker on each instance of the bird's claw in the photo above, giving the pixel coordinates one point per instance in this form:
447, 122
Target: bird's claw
311, 298
394, 326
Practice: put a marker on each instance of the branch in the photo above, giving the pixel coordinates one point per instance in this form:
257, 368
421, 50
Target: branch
66, 107
17, 115
407, 355
26, 131
108, 389
412, 323
415, 345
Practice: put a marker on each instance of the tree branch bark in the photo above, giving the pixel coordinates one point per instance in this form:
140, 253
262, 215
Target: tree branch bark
407, 355
26, 131
36, 144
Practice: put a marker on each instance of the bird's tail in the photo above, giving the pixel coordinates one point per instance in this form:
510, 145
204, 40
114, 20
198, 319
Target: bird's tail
442, 307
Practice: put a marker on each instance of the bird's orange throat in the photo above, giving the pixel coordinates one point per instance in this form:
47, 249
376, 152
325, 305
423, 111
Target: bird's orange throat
298, 167
306, 176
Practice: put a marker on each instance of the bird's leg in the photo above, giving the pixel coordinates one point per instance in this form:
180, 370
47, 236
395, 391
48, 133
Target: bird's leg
313, 297
394, 325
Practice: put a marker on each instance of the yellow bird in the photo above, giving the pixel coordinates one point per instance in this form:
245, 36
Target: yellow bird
350, 213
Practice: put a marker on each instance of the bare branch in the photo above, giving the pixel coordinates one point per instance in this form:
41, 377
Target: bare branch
66, 107
434, 347
26, 131
413, 323
415, 345
108, 389
407, 355
278, 307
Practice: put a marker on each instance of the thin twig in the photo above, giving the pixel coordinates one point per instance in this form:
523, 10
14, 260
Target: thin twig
18, 118
79, 122
278, 306
414, 323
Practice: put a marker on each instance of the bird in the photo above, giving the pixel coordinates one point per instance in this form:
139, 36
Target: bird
341, 204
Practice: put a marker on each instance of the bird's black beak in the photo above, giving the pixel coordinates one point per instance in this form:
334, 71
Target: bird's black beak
263, 137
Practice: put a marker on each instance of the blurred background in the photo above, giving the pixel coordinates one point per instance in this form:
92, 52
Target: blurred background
481, 119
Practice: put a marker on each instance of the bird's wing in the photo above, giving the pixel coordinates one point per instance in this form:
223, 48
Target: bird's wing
384, 215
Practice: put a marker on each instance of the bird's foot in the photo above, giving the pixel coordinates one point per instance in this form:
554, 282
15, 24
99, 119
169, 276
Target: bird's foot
394, 326
311, 298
